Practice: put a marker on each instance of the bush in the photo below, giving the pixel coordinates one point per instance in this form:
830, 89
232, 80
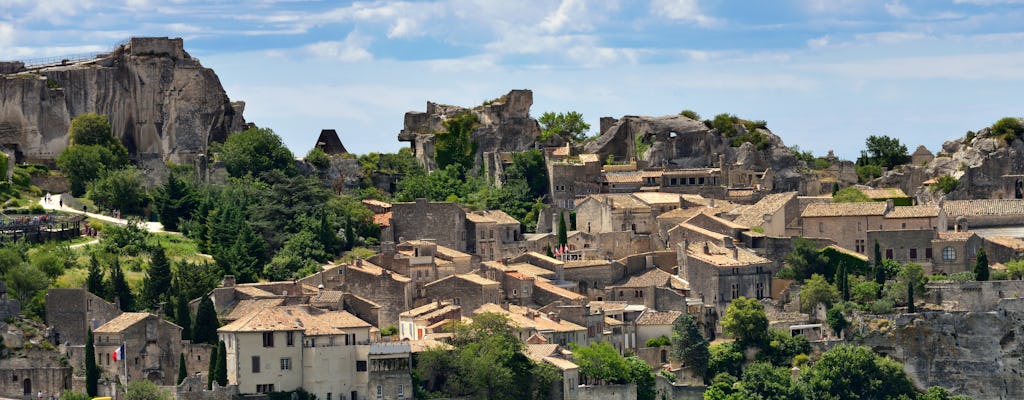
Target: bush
883, 306
659, 341
946, 184
690, 114
318, 159
963, 276
1015, 269
866, 173
144, 389
1008, 128
999, 275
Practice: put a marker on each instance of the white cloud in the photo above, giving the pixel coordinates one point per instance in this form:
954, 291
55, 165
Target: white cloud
569, 14
818, 43
352, 49
681, 10
897, 9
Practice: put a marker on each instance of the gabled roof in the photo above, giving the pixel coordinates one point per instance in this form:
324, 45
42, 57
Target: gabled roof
636, 177
921, 211
471, 278
753, 216
652, 317
1013, 243
557, 291
249, 306
848, 252
310, 320
882, 193
518, 316
369, 268
658, 198
722, 257
986, 207
844, 209
122, 322
654, 277
961, 236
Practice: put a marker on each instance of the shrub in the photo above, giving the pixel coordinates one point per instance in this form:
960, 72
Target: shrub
1008, 128
883, 306
999, 275
963, 276
659, 341
318, 159
690, 114
946, 184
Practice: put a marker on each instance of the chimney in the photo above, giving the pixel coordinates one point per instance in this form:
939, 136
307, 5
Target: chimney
553, 316
735, 249
707, 249
228, 281
711, 202
359, 262
889, 205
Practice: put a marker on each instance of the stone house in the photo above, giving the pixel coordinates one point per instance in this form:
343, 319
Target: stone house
34, 370
847, 223
643, 288
1004, 249
421, 220
653, 324
529, 322
904, 245
955, 252
591, 276
777, 215
469, 291
690, 180
964, 214
71, 311
618, 212
571, 176
720, 272
420, 321
568, 386
423, 261
230, 293
921, 156
391, 291
326, 353
493, 234
897, 195
151, 347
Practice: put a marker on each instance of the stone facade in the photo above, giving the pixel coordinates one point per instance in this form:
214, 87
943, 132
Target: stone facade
70, 312
421, 219
35, 371
151, 347
393, 292
721, 272
468, 290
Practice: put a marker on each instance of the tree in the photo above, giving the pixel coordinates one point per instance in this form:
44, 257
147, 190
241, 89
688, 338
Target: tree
817, 290
981, 269
175, 201
745, 320
23, 281
780, 347
805, 260
318, 159
182, 370
910, 299
1008, 128
145, 389
211, 369
765, 381
456, 146
255, 151
879, 265
221, 375
850, 194
118, 287
690, 114
843, 281
73, 395
563, 231
836, 320
855, 372
183, 316
91, 129
689, 345
119, 189
94, 280
92, 373
158, 279
83, 164
206, 324
725, 358
883, 151
570, 125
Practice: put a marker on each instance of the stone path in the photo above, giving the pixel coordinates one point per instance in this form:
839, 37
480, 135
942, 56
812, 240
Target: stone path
54, 205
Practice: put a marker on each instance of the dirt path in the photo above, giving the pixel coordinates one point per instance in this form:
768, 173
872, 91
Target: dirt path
55, 205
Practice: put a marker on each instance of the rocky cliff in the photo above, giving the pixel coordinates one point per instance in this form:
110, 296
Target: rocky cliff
162, 103
504, 125
676, 141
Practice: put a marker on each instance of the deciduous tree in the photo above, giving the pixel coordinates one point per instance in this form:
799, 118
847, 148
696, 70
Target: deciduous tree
570, 124
745, 320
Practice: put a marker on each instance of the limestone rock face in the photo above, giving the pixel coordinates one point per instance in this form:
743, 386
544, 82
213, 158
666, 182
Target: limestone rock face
986, 166
162, 104
504, 125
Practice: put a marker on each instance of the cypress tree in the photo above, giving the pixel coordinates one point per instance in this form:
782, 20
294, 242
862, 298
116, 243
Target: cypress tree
92, 373
221, 376
182, 371
212, 367
94, 282
910, 298
158, 280
183, 317
563, 235
879, 265
981, 270
548, 252
119, 288
206, 324
350, 234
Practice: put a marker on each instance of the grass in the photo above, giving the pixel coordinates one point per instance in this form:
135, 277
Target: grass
177, 247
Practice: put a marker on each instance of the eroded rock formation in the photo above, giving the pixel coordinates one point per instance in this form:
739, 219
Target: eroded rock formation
161, 102
504, 125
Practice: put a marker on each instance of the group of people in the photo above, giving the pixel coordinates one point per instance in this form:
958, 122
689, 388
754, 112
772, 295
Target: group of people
27, 220
88, 230
49, 200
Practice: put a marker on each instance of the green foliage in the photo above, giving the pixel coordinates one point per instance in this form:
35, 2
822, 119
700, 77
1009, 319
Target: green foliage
157, 280
570, 125
82, 164
640, 146
72, 395
725, 124
24, 281
563, 232
182, 370
850, 194
389, 330
835, 319
854, 372
401, 163
211, 368
119, 189
725, 358
600, 362
881, 306
946, 184
746, 321
92, 373
127, 240
118, 287
255, 151
765, 381
1008, 128
90, 129
318, 159
782, 347
981, 268
220, 374
817, 290
690, 114
883, 151
689, 345
206, 323
806, 260
658, 341
865, 292
144, 389
175, 201
865, 173
94, 279
456, 146
1015, 269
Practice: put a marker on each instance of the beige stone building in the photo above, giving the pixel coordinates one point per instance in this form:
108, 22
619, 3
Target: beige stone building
327, 353
152, 347
848, 223
529, 322
720, 272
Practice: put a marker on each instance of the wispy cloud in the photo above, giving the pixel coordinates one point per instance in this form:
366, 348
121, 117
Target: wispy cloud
682, 10
353, 48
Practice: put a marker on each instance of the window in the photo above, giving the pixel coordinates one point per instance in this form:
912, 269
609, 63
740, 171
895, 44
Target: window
913, 254
948, 254
859, 227
255, 364
268, 339
361, 366
286, 364
735, 291
760, 290
821, 227
267, 388
329, 396
380, 391
860, 247
401, 391
888, 253
928, 253
289, 338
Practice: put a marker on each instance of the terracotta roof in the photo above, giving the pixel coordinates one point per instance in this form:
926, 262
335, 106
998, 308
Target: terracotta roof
1009, 242
753, 215
961, 236
720, 205
249, 306
496, 216
540, 322
722, 257
328, 296
560, 292
681, 214
253, 291
519, 275
384, 220
654, 277
922, 211
692, 172
623, 177
990, 207
658, 198
740, 193
310, 320
561, 150
122, 322
377, 203
529, 269
371, 269
561, 363
882, 193
651, 317
585, 263
589, 157
608, 305
471, 278
428, 308
537, 352
844, 209
848, 252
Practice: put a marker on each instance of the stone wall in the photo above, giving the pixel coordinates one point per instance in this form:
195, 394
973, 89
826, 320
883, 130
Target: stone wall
606, 392
197, 357
71, 311
973, 296
393, 295
194, 388
38, 370
420, 220
365, 309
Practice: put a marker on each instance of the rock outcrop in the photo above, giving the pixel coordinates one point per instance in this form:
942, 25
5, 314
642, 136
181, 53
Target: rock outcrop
676, 141
504, 125
161, 102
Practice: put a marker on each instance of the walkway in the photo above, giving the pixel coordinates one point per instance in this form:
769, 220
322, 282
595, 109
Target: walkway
53, 205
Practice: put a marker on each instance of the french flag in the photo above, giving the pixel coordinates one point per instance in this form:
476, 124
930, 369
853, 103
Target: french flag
118, 354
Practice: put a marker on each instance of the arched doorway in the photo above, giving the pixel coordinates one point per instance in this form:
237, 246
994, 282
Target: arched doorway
26, 386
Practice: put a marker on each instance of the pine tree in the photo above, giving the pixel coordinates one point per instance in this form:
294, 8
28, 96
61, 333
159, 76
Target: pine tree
206, 324
183, 316
981, 270
92, 373
879, 265
157, 281
211, 368
94, 281
910, 298
174, 201
221, 376
182, 371
548, 252
119, 288
350, 234
563, 235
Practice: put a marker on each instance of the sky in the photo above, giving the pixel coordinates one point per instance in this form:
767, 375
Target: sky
824, 74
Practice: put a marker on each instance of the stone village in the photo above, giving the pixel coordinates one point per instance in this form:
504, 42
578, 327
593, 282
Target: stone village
683, 228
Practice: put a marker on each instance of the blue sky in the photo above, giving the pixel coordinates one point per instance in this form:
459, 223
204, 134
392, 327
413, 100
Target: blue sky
824, 74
